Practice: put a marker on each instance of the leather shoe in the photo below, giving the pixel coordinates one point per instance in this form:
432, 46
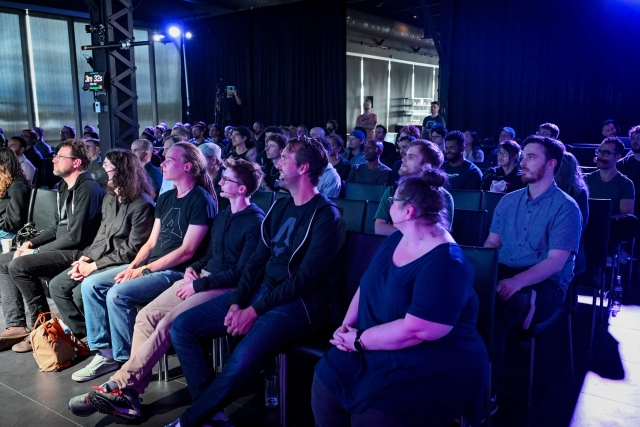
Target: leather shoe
12, 335
23, 346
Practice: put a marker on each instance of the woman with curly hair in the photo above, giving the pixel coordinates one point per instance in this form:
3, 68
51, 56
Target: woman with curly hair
14, 195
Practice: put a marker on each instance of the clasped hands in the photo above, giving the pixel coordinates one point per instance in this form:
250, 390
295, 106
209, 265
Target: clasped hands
507, 287
82, 268
344, 337
25, 249
239, 322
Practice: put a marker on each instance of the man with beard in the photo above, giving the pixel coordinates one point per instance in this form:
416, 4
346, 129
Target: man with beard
420, 156
372, 172
198, 130
537, 232
77, 220
630, 165
609, 129
463, 174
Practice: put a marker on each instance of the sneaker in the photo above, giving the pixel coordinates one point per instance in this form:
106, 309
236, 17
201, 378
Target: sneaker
23, 346
121, 403
12, 335
99, 366
80, 406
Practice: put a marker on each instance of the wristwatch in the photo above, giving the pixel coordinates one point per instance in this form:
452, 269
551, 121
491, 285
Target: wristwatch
35, 251
145, 270
356, 343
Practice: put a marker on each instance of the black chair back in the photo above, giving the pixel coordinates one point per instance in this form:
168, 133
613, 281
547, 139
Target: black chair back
359, 249
489, 202
466, 199
369, 217
485, 280
469, 227
357, 191
44, 210
352, 213
282, 195
596, 241
45, 176
263, 199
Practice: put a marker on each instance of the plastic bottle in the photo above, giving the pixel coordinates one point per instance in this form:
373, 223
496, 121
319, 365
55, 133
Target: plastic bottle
616, 297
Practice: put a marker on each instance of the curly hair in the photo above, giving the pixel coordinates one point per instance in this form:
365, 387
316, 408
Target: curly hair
79, 151
411, 131
198, 168
10, 169
129, 177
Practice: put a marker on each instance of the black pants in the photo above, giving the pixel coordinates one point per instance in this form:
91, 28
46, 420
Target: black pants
20, 278
67, 294
508, 314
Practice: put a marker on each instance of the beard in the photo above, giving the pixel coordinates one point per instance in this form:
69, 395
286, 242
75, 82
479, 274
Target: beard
454, 157
533, 176
636, 150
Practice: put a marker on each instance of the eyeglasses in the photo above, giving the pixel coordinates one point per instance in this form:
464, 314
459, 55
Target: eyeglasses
503, 154
393, 199
110, 170
58, 156
604, 153
546, 134
224, 178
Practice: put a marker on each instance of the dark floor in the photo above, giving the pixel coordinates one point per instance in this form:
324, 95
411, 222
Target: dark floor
604, 392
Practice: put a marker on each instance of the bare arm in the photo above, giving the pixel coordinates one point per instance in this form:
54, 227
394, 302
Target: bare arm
192, 239
145, 250
383, 228
626, 207
493, 241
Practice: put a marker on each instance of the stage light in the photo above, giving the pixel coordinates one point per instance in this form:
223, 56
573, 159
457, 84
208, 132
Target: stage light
158, 37
174, 32
188, 35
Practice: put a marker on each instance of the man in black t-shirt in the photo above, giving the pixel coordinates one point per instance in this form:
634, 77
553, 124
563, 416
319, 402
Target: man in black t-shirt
433, 120
230, 105
282, 295
463, 174
182, 219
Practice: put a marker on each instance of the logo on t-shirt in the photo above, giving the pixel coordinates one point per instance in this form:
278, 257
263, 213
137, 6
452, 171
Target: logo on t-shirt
170, 226
282, 239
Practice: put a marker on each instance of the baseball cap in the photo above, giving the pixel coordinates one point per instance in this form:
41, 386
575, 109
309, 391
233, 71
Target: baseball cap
358, 134
162, 126
209, 149
201, 125
510, 130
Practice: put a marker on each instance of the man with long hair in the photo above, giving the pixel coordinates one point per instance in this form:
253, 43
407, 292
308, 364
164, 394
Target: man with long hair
127, 219
182, 219
77, 219
14, 194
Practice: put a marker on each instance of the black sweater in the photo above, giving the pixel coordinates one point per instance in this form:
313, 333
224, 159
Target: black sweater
14, 207
514, 178
234, 237
317, 239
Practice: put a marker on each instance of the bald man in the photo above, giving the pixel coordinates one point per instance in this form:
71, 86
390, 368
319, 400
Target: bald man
372, 172
316, 132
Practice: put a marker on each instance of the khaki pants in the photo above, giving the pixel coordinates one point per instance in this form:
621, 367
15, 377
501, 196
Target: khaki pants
151, 334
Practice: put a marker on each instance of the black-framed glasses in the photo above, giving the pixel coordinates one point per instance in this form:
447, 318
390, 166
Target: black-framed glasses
110, 170
503, 154
393, 199
58, 156
226, 179
604, 153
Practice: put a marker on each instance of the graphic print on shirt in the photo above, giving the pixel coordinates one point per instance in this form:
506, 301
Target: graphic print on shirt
282, 239
170, 226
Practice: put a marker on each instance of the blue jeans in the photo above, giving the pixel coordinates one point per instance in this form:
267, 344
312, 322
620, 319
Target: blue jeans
271, 333
110, 309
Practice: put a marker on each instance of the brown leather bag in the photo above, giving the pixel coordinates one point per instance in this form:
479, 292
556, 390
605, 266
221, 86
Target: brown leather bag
53, 349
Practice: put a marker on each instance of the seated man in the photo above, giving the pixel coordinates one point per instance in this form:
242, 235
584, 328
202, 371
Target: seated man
127, 219
32, 152
17, 144
77, 219
421, 156
182, 220
609, 129
537, 231
235, 234
95, 168
371, 172
44, 148
436, 135
275, 143
330, 182
354, 153
630, 165
463, 174
143, 149
282, 295
403, 145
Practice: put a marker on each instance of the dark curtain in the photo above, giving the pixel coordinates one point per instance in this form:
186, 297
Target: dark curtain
288, 62
520, 64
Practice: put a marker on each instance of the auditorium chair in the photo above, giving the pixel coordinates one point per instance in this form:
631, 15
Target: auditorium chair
369, 216
489, 202
42, 213
466, 199
352, 213
469, 227
357, 191
282, 195
263, 199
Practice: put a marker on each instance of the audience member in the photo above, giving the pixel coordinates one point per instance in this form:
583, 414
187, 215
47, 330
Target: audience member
463, 175
432, 121
213, 155
403, 145
301, 238
215, 133
14, 195
506, 134
217, 273
373, 171
422, 156
93, 135
437, 135
332, 127
317, 132
630, 165
472, 150
259, 135
609, 129
240, 137
31, 152
389, 153
143, 149
507, 176
302, 130
182, 219
67, 132
77, 219
337, 158
409, 130
367, 120
158, 132
95, 168
44, 148
89, 128
355, 148
408, 352
286, 132
169, 141
537, 232
231, 108
17, 144
330, 182
273, 150
127, 220
549, 130
199, 136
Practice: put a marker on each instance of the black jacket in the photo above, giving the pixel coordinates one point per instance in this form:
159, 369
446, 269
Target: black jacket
14, 207
121, 233
514, 178
234, 237
77, 216
317, 239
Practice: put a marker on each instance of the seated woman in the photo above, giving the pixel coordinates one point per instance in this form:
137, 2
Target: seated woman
408, 352
472, 150
14, 195
234, 236
507, 176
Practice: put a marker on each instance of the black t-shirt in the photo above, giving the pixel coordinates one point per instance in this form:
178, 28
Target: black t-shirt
231, 111
271, 175
196, 208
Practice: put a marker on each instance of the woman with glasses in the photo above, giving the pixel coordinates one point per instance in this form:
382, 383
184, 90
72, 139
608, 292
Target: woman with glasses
14, 195
507, 176
234, 236
408, 352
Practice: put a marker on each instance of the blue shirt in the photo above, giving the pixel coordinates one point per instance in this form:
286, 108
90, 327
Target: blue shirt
530, 228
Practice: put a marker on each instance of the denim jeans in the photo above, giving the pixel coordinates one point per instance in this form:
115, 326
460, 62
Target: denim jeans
110, 309
271, 333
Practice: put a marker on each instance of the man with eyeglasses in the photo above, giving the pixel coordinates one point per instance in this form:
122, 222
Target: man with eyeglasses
630, 165
78, 213
143, 149
95, 168
549, 130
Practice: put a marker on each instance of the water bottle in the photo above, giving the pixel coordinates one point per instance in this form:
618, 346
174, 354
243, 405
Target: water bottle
616, 297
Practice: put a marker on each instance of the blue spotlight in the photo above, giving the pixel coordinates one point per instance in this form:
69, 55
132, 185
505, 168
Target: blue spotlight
174, 31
